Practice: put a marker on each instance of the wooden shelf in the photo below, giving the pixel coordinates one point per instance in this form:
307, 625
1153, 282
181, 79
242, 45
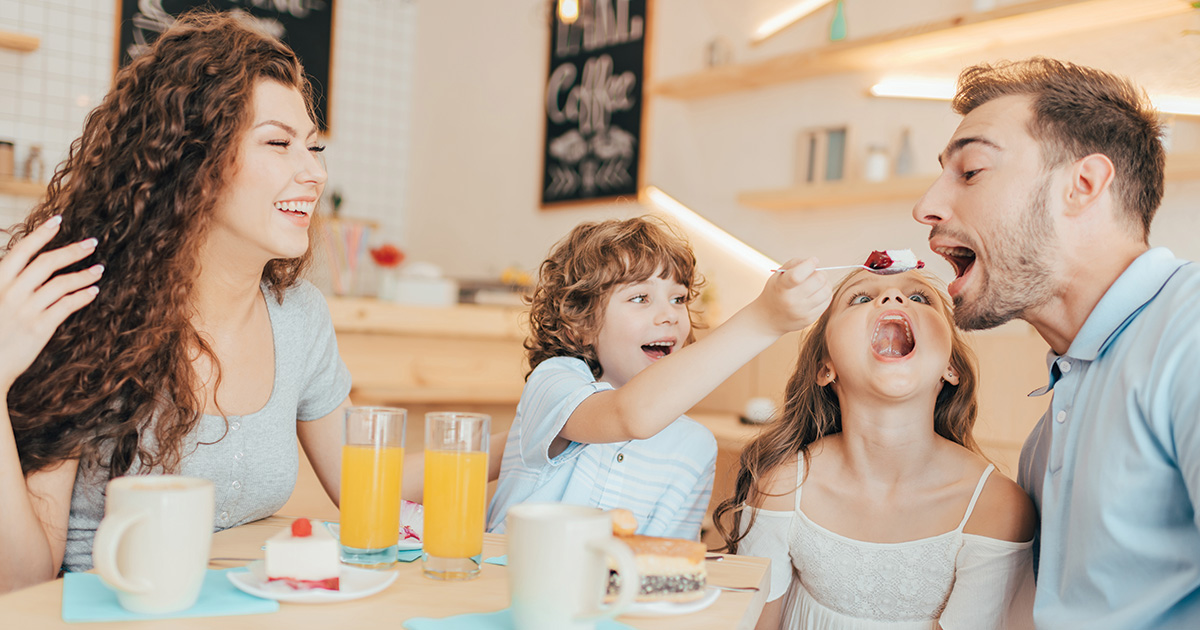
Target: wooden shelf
1180, 167
22, 188
1183, 166
1029, 21
368, 315
836, 194
19, 42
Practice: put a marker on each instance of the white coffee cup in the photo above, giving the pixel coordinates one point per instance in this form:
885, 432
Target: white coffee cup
152, 546
558, 566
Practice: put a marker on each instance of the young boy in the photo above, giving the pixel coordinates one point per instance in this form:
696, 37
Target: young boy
600, 420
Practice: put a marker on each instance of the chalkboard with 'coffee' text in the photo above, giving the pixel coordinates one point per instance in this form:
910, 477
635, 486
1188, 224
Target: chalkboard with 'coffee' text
593, 103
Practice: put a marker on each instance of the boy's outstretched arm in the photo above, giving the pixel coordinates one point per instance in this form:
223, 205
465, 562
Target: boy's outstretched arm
791, 300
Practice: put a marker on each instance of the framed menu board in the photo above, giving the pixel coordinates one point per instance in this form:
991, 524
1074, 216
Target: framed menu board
593, 103
304, 25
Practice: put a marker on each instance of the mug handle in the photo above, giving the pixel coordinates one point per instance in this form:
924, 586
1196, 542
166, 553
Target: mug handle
630, 581
104, 551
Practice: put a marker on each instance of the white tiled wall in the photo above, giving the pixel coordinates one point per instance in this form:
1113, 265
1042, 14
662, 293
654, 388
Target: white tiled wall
45, 94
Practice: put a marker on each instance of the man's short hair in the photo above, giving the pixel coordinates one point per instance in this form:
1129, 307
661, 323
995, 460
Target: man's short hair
1078, 111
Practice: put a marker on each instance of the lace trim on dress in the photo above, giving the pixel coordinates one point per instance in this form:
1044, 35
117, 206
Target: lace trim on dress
907, 581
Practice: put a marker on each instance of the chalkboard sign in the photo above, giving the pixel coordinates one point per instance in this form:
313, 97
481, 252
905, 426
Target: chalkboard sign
593, 102
304, 25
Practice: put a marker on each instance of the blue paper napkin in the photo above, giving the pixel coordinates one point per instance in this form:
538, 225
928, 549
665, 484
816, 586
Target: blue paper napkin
499, 620
408, 555
498, 560
86, 598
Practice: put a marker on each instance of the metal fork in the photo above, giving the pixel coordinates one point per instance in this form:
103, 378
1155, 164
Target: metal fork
736, 589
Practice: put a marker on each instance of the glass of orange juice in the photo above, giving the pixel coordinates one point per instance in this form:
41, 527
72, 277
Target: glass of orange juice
456, 465
372, 468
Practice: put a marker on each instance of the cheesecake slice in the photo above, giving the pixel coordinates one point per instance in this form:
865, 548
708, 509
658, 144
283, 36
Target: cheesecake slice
304, 558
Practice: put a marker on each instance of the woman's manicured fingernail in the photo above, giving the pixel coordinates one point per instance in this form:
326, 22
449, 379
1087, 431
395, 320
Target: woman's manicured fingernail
53, 221
97, 269
90, 243
93, 289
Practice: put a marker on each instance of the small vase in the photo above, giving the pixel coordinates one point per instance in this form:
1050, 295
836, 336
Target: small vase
837, 30
388, 283
905, 161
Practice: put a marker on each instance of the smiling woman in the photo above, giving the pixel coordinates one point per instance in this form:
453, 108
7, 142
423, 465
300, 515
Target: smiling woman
271, 196
193, 184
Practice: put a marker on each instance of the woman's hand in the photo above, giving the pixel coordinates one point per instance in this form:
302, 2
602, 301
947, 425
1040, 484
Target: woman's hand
32, 305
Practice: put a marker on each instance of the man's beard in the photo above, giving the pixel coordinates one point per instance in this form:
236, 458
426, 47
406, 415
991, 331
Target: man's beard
1018, 276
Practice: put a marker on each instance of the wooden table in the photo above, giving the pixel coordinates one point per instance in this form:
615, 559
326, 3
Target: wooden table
411, 595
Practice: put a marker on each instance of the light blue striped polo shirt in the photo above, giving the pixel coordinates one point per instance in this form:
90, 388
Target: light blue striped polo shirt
1114, 465
666, 480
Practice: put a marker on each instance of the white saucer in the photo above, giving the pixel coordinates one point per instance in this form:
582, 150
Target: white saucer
668, 609
354, 582
402, 545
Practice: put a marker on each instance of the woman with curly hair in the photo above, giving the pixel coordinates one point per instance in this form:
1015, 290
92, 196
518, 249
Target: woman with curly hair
600, 421
192, 189
901, 525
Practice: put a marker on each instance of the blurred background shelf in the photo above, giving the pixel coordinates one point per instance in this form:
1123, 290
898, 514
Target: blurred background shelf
1029, 21
833, 194
21, 187
19, 42
401, 355
1180, 167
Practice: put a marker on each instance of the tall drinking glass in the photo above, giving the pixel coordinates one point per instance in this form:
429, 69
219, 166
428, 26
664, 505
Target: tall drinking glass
372, 469
456, 465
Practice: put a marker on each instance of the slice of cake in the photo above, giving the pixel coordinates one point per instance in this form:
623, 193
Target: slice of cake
670, 569
304, 558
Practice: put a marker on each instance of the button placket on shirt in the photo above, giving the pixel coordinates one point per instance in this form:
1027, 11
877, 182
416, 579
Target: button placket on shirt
1064, 394
237, 437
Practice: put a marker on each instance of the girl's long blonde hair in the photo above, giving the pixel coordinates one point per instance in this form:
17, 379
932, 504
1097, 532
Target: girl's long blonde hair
811, 412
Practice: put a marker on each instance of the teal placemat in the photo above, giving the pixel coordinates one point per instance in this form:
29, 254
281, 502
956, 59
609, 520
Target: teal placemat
408, 555
499, 620
86, 598
404, 555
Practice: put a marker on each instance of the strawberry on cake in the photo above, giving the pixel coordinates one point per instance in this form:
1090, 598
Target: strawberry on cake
304, 558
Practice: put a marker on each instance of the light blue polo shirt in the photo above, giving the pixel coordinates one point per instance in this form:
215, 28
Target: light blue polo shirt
1114, 465
666, 480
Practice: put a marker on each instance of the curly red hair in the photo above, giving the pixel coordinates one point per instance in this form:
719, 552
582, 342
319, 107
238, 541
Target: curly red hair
574, 282
143, 179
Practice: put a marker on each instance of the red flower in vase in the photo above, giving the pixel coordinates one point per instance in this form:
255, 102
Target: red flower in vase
387, 255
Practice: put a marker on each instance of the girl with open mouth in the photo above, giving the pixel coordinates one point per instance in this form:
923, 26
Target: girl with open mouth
868, 492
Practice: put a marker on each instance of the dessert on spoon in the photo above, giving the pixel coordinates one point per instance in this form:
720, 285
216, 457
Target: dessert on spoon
884, 263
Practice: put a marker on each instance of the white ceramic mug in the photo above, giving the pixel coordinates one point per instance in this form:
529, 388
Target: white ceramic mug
152, 546
558, 566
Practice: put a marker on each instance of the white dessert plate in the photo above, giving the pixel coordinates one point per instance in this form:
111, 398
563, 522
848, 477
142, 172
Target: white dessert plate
402, 545
668, 609
354, 582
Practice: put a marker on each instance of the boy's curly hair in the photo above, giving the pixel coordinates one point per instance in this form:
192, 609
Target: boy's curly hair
575, 281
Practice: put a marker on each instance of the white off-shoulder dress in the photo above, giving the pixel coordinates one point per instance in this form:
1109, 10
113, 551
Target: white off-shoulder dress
837, 583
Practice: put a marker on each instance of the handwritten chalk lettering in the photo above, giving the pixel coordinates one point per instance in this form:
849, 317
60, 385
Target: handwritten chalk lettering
599, 26
295, 8
592, 102
563, 182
